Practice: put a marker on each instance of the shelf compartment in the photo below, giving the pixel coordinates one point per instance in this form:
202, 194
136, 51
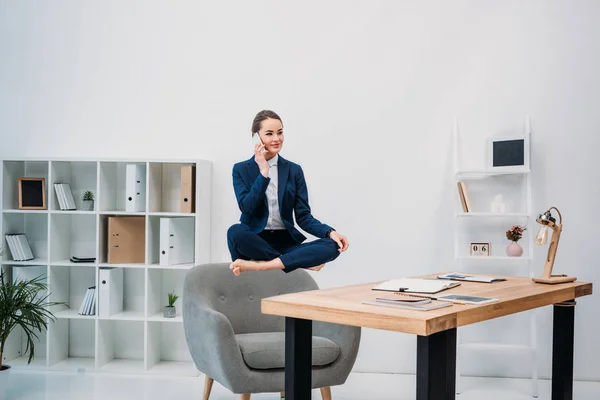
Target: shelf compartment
72, 235
13, 170
165, 187
17, 341
14, 351
71, 344
112, 192
120, 346
69, 284
473, 231
133, 296
167, 350
35, 226
184, 229
482, 194
104, 241
80, 175
161, 282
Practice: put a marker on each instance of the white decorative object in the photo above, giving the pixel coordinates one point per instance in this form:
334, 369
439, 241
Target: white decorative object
498, 206
138, 339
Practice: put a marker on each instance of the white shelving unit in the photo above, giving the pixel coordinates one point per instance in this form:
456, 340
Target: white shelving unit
138, 339
481, 225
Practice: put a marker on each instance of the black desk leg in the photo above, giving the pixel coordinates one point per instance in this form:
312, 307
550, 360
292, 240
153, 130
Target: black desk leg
562, 350
436, 366
298, 358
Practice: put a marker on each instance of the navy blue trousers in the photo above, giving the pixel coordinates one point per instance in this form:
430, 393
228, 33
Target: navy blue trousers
268, 245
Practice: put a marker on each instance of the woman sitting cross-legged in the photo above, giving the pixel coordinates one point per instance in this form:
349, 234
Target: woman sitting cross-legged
268, 188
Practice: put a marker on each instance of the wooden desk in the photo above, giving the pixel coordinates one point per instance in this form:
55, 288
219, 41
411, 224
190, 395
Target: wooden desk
435, 329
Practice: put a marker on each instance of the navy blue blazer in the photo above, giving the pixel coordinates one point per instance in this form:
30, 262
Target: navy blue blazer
250, 190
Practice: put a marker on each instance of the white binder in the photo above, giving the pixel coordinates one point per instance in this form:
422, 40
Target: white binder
176, 240
110, 293
135, 187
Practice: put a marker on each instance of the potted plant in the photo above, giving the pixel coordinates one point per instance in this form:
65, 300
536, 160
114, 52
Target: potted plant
88, 201
514, 234
170, 310
23, 304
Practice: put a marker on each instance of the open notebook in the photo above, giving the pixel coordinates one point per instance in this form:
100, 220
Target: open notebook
416, 285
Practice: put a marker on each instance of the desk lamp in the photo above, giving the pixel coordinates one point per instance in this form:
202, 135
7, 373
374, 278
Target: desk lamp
548, 221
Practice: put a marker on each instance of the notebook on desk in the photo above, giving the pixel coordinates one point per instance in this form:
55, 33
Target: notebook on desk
415, 285
470, 278
420, 307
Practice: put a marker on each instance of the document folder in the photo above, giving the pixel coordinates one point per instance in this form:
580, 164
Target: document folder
126, 240
110, 295
176, 240
188, 189
135, 187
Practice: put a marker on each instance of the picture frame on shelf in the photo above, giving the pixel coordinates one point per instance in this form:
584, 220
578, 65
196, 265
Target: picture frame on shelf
480, 249
32, 193
507, 153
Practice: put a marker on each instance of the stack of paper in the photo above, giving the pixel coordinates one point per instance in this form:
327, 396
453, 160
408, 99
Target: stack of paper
416, 285
64, 196
19, 247
456, 276
88, 305
409, 302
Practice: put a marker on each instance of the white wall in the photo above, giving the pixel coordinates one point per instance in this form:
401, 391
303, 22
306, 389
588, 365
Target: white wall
367, 92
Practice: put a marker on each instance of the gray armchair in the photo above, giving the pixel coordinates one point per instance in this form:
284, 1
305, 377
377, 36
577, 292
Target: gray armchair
233, 343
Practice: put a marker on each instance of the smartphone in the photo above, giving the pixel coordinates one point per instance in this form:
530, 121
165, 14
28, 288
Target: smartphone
256, 139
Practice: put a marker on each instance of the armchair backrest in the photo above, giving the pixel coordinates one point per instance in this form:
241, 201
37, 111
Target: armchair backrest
239, 297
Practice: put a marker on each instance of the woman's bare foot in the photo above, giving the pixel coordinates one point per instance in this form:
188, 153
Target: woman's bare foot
239, 265
317, 268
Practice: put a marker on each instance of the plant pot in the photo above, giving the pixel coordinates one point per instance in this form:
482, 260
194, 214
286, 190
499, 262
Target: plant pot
88, 205
170, 312
4, 380
514, 249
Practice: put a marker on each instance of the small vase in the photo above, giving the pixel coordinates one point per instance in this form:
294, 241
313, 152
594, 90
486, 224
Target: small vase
169, 312
88, 205
514, 250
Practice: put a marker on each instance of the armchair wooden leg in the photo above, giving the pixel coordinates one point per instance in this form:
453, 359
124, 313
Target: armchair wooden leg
208, 382
245, 396
326, 393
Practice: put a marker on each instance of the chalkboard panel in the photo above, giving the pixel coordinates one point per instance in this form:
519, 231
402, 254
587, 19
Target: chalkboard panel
32, 194
508, 153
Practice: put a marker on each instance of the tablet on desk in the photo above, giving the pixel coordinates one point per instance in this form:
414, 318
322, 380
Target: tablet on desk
464, 298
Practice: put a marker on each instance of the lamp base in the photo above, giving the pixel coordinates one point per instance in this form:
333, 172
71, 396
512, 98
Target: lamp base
554, 279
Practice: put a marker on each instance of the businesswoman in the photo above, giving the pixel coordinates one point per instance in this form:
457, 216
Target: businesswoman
268, 188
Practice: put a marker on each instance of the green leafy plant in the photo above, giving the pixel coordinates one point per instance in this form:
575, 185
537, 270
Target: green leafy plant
88, 195
515, 232
172, 299
24, 304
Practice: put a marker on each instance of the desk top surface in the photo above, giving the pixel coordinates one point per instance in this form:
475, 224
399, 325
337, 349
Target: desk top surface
343, 305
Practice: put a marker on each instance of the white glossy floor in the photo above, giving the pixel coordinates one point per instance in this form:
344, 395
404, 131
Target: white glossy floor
25, 385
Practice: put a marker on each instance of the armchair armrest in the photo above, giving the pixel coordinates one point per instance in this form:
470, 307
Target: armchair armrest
212, 342
348, 340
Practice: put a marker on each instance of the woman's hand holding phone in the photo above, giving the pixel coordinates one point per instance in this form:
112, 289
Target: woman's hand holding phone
259, 155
